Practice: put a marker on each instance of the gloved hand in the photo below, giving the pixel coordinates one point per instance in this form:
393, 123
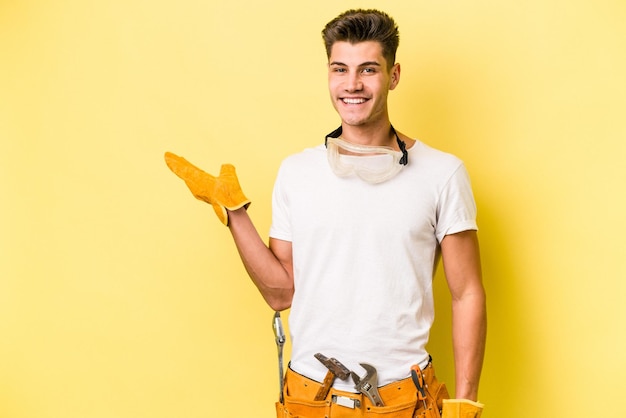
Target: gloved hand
461, 408
222, 192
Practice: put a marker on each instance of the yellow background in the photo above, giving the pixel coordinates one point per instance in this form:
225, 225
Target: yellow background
122, 296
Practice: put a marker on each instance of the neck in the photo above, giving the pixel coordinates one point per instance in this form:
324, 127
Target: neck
378, 135
398, 144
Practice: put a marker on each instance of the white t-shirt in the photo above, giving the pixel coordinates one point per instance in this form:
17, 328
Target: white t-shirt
364, 258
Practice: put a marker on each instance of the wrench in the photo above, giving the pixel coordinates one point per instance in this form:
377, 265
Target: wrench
368, 384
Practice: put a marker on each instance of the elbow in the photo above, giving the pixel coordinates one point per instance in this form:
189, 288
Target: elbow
279, 306
280, 301
475, 293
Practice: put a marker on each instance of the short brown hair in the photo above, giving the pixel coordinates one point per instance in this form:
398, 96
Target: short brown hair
360, 25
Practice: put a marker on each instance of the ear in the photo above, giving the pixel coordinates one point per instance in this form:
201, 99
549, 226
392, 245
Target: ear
394, 78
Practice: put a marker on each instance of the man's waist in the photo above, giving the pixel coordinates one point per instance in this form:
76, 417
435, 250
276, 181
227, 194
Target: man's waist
387, 372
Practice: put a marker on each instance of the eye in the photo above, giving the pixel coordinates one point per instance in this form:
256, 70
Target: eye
338, 70
369, 70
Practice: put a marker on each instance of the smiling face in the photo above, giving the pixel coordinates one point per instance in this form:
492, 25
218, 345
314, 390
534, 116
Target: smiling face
359, 80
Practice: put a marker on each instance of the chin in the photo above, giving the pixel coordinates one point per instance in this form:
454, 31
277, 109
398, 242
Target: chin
353, 120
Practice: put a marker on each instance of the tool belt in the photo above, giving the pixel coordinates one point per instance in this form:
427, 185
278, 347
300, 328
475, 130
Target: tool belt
400, 399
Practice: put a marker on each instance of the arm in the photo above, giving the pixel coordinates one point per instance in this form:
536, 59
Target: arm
461, 262
270, 268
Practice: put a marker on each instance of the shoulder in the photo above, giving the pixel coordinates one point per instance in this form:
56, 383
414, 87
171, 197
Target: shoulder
298, 168
424, 154
304, 158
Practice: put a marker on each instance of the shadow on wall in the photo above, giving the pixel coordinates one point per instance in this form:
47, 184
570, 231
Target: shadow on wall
454, 103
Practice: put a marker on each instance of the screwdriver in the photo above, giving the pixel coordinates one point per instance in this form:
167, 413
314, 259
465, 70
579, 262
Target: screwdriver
418, 380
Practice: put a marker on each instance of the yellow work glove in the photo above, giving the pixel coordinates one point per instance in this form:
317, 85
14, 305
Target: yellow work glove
461, 408
222, 192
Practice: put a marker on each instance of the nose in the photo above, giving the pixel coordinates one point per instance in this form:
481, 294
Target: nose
354, 82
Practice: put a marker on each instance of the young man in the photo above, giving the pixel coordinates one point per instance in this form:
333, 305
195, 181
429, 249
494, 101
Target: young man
359, 224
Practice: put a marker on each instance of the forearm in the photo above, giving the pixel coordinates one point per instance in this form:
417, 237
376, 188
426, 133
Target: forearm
469, 329
272, 277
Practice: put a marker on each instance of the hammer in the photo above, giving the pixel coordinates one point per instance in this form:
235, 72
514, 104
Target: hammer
335, 369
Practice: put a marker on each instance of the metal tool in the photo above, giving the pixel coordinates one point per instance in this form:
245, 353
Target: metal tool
368, 384
418, 380
279, 335
335, 369
346, 401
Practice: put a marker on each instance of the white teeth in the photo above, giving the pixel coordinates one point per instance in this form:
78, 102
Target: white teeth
353, 101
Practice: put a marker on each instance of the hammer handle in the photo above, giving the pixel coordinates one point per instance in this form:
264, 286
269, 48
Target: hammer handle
322, 393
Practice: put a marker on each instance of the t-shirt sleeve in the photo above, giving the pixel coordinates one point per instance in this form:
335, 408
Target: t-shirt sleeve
281, 225
456, 211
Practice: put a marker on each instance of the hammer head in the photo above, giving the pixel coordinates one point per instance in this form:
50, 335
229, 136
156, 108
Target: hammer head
335, 367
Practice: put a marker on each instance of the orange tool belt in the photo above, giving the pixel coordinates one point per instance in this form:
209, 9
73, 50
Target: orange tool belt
401, 399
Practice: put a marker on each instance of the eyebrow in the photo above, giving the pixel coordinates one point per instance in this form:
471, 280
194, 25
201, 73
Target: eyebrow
364, 64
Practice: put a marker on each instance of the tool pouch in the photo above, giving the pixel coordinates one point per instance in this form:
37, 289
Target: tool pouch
301, 410
298, 408
436, 392
298, 393
400, 400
